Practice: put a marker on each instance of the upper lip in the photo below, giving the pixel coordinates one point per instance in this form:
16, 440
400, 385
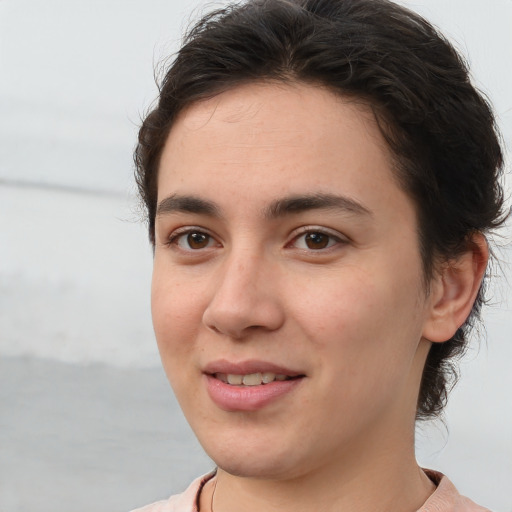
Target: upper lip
248, 367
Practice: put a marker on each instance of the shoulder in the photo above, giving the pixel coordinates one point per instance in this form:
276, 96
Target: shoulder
446, 498
184, 502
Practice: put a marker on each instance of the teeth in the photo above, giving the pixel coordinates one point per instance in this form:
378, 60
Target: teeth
251, 379
235, 380
267, 377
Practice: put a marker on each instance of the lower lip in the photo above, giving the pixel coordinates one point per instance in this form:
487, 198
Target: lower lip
247, 398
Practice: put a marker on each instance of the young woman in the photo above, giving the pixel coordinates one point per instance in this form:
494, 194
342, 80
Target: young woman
319, 176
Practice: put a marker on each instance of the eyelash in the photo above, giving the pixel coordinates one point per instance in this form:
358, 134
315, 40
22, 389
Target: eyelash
177, 235
334, 238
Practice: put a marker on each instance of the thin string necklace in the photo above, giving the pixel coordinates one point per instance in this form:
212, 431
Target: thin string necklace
213, 493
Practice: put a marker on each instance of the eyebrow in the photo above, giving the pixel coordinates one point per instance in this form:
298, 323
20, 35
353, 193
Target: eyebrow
279, 208
187, 204
302, 203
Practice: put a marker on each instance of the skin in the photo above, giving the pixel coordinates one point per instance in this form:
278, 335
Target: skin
354, 317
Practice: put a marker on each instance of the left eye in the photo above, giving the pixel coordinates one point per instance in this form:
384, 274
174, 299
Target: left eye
193, 240
315, 240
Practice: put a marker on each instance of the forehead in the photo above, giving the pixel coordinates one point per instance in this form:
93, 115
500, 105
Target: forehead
253, 100
262, 141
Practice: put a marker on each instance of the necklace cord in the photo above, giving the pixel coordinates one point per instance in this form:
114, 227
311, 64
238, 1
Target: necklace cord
213, 492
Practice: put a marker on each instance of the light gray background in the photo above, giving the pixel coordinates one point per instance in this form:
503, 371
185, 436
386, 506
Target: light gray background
87, 421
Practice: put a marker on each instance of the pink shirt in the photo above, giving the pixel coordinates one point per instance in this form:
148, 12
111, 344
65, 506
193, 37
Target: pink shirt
444, 499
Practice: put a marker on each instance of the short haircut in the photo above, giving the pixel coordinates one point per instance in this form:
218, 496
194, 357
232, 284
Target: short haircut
440, 130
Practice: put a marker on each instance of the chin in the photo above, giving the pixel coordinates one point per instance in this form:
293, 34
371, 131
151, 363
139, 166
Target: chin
253, 461
260, 469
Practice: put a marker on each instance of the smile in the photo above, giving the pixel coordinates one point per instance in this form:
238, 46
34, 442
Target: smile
249, 385
251, 379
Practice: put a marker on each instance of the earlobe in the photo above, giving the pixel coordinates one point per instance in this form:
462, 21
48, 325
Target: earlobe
454, 290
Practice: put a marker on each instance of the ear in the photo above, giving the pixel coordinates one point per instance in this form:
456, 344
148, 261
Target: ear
454, 290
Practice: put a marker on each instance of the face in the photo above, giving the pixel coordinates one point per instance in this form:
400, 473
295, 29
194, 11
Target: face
287, 296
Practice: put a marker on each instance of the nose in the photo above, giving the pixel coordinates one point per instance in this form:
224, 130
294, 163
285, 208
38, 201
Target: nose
244, 299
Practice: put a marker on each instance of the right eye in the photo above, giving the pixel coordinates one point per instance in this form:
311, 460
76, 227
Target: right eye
192, 240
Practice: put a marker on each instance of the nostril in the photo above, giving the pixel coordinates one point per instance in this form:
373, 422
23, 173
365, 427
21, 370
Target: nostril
214, 329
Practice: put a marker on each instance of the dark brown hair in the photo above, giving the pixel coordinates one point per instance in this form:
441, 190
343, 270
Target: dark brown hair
440, 130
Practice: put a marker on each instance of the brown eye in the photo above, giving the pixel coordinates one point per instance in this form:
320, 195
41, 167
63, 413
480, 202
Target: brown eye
192, 240
316, 240
197, 240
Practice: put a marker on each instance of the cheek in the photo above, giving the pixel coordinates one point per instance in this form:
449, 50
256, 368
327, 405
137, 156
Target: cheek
176, 317
337, 305
364, 319
176, 320
364, 336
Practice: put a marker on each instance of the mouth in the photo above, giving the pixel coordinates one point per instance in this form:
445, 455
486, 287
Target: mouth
249, 385
252, 379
